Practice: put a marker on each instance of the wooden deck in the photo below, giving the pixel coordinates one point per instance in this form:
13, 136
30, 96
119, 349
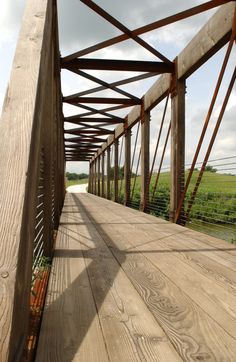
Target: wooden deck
126, 286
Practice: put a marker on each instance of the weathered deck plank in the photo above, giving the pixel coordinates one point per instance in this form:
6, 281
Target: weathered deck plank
126, 286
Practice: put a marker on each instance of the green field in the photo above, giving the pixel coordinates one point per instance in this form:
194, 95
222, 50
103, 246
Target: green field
214, 206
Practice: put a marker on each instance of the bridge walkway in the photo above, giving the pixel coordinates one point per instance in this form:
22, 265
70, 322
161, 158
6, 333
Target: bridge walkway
127, 286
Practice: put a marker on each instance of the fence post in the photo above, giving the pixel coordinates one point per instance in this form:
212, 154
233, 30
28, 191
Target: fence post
145, 140
95, 176
99, 176
116, 169
90, 177
177, 143
103, 174
108, 172
127, 166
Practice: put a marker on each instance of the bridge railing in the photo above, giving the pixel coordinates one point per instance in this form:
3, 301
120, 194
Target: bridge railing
31, 169
155, 177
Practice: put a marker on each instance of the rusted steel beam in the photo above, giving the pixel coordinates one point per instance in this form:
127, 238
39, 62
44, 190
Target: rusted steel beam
124, 29
78, 159
110, 85
119, 65
101, 100
144, 29
89, 132
104, 84
100, 111
85, 139
95, 123
79, 151
77, 120
83, 146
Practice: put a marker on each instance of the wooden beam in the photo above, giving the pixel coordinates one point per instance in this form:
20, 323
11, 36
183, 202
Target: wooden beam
20, 128
99, 175
103, 174
207, 42
116, 169
177, 146
127, 166
118, 65
108, 173
145, 155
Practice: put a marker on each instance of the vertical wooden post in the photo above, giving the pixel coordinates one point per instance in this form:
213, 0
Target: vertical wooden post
99, 175
47, 157
116, 169
108, 172
95, 176
177, 145
145, 140
127, 166
103, 174
90, 177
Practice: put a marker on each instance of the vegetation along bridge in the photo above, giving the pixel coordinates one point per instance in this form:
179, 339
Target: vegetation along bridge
139, 270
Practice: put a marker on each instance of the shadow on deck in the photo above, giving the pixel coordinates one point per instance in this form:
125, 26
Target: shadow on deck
126, 286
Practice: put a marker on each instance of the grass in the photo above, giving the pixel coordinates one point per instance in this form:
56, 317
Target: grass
215, 201
76, 182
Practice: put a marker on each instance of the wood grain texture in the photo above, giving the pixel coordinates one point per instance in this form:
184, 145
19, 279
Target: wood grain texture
158, 294
68, 332
20, 129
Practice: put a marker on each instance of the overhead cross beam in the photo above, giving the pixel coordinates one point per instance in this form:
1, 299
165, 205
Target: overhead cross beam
79, 131
104, 84
124, 29
78, 120
119, 65
109, 85
85, 139
144, 29
102, 111
83, 145
102, 100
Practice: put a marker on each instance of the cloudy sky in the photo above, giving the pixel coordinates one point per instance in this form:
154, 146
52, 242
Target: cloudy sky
80, 28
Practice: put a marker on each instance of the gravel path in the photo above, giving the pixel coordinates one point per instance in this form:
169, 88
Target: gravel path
77, 188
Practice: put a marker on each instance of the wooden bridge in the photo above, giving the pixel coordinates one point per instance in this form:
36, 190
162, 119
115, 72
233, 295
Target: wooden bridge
125, 285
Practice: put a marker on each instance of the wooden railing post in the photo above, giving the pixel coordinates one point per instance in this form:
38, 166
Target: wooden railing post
177, 143
28, 106
90, 177
116, 169
145, 140
95, 177
108, 172
103, 174
127, 167
99, 175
